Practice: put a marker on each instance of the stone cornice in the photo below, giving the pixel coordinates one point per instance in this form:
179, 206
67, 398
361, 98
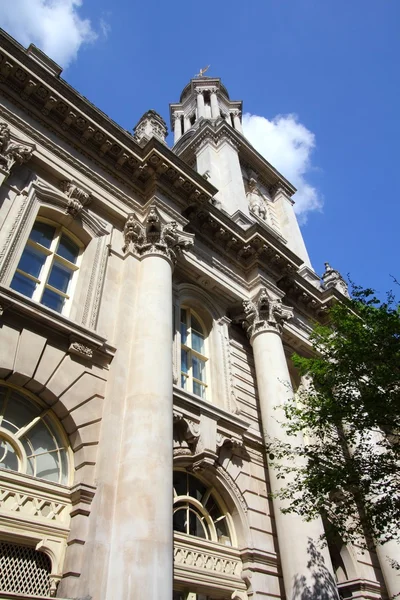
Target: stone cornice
55, 104
247, 248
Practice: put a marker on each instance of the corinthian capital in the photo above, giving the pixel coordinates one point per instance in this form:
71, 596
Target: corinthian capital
265, 314
155, 236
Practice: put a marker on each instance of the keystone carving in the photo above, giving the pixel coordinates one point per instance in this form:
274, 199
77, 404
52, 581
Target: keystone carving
155, 236
265, 314
333, 279
77, 198
13, 152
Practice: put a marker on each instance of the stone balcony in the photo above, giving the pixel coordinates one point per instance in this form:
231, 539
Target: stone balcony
204, 565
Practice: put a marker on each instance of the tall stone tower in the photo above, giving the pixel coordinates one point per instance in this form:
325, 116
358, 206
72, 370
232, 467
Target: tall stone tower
208, 135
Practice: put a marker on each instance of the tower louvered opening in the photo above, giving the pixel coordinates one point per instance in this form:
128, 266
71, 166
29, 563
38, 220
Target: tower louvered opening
24, 570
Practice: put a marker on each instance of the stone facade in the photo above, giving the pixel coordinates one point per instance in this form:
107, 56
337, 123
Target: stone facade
150, 301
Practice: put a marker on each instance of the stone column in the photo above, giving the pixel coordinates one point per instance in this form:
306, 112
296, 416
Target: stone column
177, 127
386, 554
307, 569
141, 561
200, 104
236, 121
228, 118
215, 112
186, 124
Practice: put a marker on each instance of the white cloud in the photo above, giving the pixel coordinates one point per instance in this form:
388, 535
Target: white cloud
287, 145
53, 25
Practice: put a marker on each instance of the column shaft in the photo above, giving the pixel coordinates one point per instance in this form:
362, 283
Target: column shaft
142, 543
177, 128
237, 123
307, 569
386, 553
214, 106
200, 105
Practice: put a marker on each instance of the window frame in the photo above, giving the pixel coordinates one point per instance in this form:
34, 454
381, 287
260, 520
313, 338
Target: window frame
52, 258
45, 416
191, 352
190, 503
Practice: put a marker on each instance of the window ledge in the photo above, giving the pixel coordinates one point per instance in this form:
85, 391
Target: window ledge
196, 404
82, 341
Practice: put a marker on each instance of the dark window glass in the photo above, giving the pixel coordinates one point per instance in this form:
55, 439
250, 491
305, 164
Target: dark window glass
23, 285
42, 233
179, 520
60, 277
68, 249
32, 261
53, 300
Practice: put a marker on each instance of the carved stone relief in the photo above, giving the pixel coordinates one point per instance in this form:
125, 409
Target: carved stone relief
265, 314
13, 151
333, 279
77, 198
155, 236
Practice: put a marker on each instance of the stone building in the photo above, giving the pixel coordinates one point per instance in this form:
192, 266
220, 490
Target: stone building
150, 300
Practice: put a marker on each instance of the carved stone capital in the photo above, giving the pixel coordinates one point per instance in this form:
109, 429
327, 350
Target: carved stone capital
77, 198
13, 151
333, 279
155, 236
265, 314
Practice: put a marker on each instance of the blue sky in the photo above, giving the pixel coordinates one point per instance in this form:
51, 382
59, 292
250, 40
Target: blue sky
322, 76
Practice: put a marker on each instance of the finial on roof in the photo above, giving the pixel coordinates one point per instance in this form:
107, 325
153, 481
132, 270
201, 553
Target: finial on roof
202, 71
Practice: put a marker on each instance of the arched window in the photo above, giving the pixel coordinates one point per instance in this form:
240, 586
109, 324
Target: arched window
193, 353
48, 265
197, 512
30, 440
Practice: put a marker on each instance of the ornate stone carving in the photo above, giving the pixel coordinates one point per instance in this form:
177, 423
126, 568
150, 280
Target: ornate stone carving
80, 350
13, 152
186, 432
212, 560
150, 125
256, 201
155, 236
333, 279
265, 314
77, 198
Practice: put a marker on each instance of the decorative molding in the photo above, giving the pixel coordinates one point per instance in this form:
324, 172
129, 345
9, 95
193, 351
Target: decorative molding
12, 149
333, 279
233, 486
155, 236
81, 350
104, 252
77, 198
265, 314
188, 432
14, 236
223, 329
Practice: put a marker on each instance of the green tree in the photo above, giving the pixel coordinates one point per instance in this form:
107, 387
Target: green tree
348, 468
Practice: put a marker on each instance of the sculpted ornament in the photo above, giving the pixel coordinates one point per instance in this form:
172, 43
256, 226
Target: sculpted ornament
155, 236
77, 198
256, 201
265, 314
12, 152
333, 279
